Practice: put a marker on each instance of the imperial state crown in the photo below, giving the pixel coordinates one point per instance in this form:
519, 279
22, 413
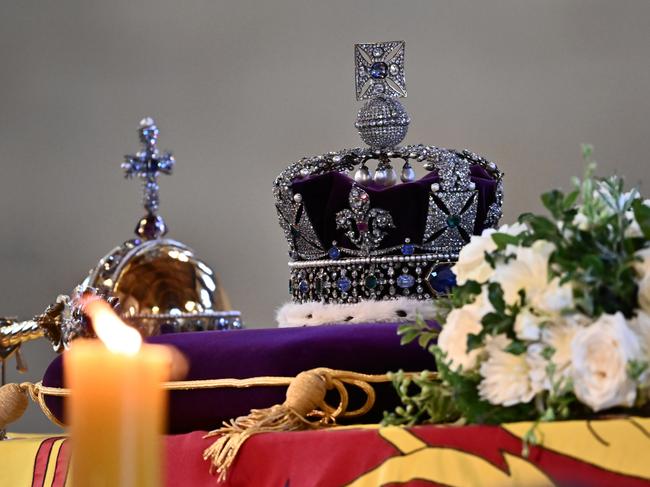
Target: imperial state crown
363, 238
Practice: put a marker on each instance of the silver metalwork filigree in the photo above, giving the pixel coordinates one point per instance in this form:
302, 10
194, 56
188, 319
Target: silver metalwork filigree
450, 219
365, 226
147, 164
380, 70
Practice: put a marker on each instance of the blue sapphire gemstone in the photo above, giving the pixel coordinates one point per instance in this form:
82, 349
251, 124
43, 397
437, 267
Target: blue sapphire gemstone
408, 249
405, 281
442, 279
334, 253
344, 284
379, 70
303, 286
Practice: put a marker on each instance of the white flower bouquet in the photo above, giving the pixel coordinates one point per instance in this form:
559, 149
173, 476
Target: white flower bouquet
550, 319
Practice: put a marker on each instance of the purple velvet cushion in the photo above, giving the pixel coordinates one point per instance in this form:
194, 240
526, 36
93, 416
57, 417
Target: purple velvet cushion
373, 348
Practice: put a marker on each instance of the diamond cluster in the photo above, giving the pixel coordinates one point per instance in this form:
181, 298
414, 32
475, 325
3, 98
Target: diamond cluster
380, 70
418, 277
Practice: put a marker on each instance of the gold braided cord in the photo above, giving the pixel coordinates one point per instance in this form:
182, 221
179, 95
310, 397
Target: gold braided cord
336, 379
354, 378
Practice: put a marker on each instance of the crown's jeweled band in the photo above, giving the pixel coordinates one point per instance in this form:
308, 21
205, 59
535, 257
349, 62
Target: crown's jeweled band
352, 280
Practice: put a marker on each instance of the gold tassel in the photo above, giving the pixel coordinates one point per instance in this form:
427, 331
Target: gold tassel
305, 399
13, 403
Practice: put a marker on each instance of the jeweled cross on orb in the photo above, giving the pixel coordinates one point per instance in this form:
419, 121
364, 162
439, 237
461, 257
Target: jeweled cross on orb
147, 164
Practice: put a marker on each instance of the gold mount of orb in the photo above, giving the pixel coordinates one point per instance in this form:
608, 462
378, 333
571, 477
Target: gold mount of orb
163, 287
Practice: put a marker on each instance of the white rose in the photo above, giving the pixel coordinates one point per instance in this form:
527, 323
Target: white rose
644, 293
643, 266
506, 380
494, 343
460, 323
513, 228
553, 298
538, 367
527, 325
581, 221
527, 271
559, 337
471, 265
600, 354
640, 324
634, 230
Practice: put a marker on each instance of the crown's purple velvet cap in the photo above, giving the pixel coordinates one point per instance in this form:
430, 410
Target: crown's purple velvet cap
326, 194
372, 349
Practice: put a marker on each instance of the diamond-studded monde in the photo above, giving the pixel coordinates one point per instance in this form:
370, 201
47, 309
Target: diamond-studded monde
382, 122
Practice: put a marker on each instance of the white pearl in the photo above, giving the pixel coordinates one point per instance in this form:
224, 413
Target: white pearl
362, 175
386, 176
408, 174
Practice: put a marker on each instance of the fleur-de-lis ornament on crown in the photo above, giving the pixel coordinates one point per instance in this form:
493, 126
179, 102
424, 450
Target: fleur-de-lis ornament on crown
365, 227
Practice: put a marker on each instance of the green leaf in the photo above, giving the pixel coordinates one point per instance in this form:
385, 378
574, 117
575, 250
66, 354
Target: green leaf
553, 202
503, 240
516, 348
548, 352
495, 295
426, 337
594, 263
497, 323
570, 199
542, 227
474, 342
642, 215
409, 336
636, 368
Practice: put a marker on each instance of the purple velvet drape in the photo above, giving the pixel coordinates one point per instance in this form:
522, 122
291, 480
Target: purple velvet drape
327, 194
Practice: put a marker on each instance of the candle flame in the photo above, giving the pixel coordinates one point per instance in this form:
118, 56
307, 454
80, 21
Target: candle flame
110, 329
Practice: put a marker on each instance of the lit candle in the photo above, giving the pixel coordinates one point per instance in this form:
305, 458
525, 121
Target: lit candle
117, 405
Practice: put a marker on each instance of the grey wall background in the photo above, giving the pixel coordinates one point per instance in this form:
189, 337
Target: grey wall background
241, 89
